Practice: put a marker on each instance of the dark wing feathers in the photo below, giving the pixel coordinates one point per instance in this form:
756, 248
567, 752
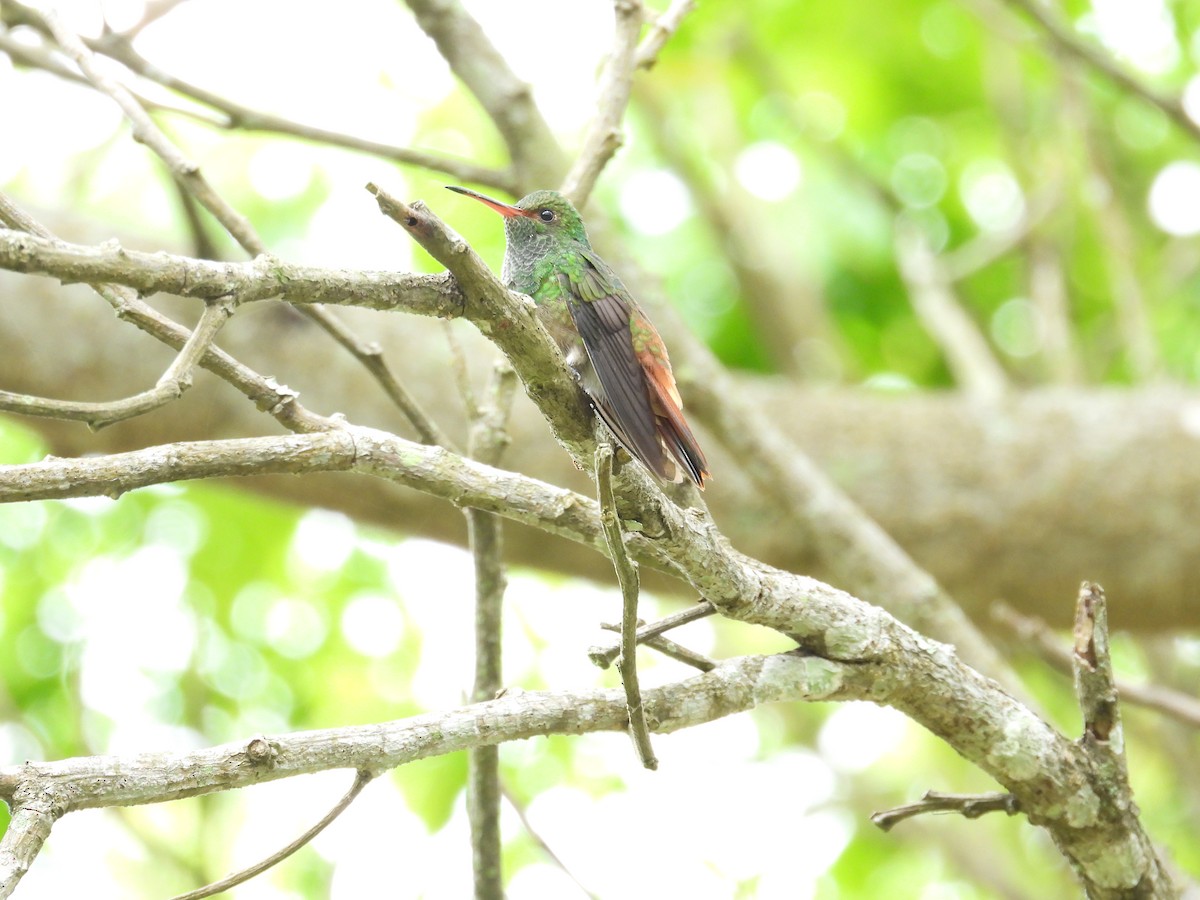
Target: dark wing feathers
601, 313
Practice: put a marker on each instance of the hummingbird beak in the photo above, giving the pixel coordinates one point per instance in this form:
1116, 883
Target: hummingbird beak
503, 208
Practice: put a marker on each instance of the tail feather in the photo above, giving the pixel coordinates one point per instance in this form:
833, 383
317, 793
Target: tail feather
674, 432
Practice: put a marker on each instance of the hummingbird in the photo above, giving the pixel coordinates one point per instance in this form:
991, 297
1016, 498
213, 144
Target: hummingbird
615, 352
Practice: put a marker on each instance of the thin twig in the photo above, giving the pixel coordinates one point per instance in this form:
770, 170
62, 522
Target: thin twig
660, 32
462, 377
968, 354
627, 576
370, 356
1063, 38
244, 118
1035, 634
276, 399
604, 656
171, 386
971, 806
361, 779
533, 833
668, 647
189, 175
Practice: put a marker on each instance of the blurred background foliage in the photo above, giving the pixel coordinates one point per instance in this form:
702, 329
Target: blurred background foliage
774, 153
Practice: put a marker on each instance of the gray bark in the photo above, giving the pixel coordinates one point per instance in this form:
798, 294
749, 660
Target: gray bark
1020, 499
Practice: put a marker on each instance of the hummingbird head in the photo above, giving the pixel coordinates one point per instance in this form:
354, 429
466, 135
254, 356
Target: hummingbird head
542, 213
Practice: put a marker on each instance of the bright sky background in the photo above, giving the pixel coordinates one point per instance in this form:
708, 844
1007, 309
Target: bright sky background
296, 73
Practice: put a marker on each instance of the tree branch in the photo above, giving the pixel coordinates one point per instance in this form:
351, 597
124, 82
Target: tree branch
627, 577
361, 780
27, 831
262, 278
604, 137
968, 354
970, 806
274, 398
1063, 39
1035, 634
660, 32
485, 535
536, 155
174, 381
736, 686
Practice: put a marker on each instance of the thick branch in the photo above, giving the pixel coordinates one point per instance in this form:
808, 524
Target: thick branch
262, 278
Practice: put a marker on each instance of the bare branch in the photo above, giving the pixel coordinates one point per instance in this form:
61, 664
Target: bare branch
1063, 40
604, 133
660, 32
604, 656
1034, 633
627, 577
967, 352
370, 356
276, 399
970, 806
485, 535
668, 648
27, 831
361, 780
174, 381
537, 158
263, 278
735, 686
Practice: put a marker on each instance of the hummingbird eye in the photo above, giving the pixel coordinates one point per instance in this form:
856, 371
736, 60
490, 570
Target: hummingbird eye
546, 215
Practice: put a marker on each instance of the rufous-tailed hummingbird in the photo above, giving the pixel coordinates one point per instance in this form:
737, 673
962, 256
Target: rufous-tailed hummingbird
616, 353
